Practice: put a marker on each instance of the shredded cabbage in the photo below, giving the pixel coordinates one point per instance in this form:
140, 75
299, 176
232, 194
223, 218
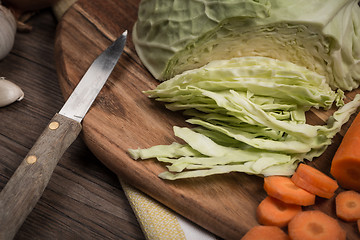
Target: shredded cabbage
254, 123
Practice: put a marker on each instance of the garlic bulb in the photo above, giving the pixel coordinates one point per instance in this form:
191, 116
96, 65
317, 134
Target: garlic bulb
9, 92
7, 31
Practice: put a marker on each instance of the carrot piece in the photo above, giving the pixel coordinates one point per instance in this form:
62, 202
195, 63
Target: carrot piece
348, 205
273, 212
317, 178
265, 233
358, 225
284, 189
315, 225
345, 166
302, 183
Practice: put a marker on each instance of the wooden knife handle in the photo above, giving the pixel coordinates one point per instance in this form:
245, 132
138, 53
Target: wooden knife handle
27, 184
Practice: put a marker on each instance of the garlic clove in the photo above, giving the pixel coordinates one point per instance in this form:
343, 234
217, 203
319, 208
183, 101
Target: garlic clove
9, 92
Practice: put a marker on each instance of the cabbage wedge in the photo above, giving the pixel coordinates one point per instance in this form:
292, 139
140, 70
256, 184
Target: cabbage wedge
171, 37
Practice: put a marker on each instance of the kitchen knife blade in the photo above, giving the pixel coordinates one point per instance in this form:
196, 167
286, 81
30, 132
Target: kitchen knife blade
26, 185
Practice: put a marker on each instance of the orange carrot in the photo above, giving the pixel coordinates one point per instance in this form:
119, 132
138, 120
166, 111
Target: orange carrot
345, 166
284, 189
317, 178
302, 183
273, 212
348, 205
315, 225
265, 233
358, 225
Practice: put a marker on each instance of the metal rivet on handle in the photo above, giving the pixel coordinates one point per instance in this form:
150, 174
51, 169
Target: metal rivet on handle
54, 125
31, 159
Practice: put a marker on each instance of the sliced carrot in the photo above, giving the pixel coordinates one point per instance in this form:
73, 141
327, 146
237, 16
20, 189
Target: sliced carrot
317, 178
265, 233
284, 189
348, 205
302, 183
273, 212
315, 225
345, 166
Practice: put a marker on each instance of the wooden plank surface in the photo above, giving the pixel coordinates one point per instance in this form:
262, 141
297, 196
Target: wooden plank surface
123, 117
84, 199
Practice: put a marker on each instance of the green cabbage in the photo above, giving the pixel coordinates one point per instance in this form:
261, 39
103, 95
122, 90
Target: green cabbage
245, 72
171, 37
250, 117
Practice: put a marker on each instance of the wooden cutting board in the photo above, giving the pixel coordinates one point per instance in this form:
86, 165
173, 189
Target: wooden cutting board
122, 117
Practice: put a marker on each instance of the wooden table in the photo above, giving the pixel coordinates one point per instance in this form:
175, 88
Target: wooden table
84, 199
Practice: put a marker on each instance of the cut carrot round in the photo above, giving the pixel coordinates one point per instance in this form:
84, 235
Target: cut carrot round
302, 183
273, 212
345, 166
265, 233
284, 189
317, 178
315, 225
348, 205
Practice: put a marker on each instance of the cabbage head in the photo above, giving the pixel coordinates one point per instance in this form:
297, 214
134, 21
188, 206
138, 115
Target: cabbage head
172, 36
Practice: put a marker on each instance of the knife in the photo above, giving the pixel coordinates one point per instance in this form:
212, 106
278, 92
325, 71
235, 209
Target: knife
30, 179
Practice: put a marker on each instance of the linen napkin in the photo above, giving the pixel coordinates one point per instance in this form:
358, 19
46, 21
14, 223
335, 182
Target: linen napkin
159, 222
156, 220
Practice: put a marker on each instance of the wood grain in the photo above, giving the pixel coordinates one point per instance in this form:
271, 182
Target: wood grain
84, 199
30, 179
123, 117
